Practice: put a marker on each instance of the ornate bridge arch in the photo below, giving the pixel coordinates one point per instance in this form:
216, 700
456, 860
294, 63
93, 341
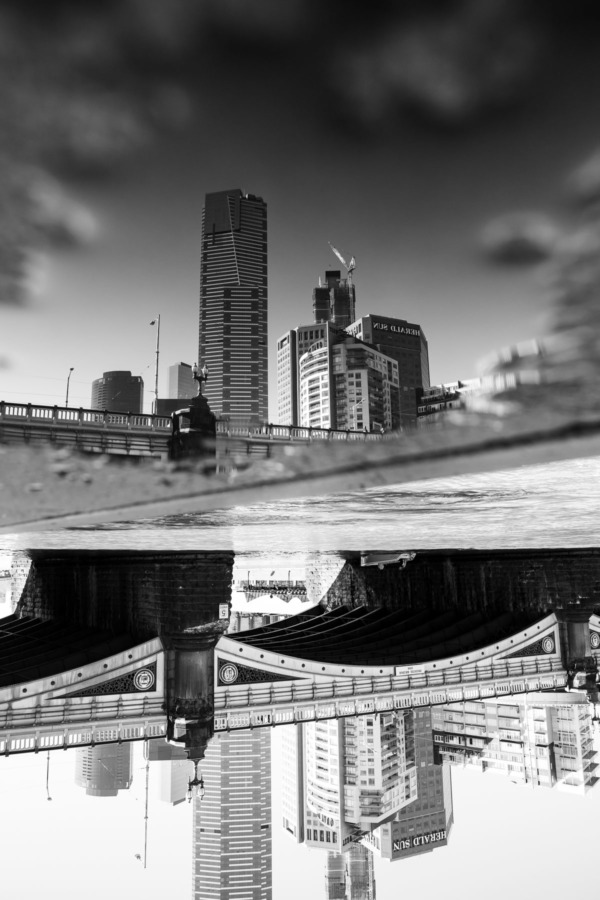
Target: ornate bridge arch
344, 662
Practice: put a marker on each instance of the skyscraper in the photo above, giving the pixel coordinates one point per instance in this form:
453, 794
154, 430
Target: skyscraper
233, 305
232, 824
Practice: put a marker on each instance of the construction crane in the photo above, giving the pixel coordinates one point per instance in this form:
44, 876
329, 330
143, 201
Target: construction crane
350, 267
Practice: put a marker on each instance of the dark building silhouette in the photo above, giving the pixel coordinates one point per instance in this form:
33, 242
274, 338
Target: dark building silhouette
118, 391
233, 306
335, 300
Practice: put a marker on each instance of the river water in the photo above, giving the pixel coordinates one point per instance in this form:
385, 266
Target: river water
550, 505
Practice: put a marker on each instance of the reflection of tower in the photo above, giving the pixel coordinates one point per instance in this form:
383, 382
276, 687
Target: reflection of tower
104, 770
351, 875
232, 824
425, 824
335, 877
175, 769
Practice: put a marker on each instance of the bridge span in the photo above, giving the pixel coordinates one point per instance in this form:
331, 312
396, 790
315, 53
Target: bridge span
136, 434
62, 687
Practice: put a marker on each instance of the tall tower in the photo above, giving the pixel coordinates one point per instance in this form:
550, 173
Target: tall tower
233, 305
232, 849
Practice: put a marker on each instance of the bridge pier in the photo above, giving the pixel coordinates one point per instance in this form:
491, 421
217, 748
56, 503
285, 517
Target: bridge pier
144, 593
574, 625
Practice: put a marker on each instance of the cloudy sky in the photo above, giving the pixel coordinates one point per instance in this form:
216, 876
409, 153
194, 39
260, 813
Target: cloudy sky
404, 194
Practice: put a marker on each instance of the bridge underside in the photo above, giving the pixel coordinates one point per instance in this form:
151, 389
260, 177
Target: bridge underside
326, 664
380, 637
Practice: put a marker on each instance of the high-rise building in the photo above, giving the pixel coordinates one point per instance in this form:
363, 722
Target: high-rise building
334, 301
333, 380
405, 343
118, 391
344, 778
233, 305
181, 382
544, 740
425, 824
104, 770
232, 823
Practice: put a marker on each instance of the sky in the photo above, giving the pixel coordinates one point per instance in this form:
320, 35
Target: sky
529, 837
409, 203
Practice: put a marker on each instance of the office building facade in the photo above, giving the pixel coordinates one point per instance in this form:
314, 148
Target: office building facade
546, 740
233, 306
425, 824
118, 391
357, 773
330, 379
181, 382
232, 855
405, 343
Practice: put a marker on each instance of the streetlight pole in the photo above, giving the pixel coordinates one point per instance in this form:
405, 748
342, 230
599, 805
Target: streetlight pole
68, 380
157, 323
48, 777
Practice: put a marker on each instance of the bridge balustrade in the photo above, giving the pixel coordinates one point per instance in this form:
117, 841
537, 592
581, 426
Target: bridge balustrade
87, 735
381, 692
81, 419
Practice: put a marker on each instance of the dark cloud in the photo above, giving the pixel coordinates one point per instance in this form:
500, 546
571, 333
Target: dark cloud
520, 238
85, 85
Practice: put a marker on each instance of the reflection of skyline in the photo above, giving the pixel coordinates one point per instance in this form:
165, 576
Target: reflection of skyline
545, 740
365, 786
232, 850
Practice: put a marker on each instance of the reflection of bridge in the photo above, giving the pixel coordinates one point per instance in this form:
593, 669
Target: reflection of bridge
135, 434
62, 686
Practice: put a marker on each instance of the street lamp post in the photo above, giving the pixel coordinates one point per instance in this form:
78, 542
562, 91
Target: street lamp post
157, 323
196, 784
68, 380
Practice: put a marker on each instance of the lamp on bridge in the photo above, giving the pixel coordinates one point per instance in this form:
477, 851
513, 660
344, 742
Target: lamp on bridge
196, 784
199, 375
68, 380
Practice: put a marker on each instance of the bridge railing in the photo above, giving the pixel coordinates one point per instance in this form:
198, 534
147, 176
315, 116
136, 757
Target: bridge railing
16, 740
79, 418
292, 692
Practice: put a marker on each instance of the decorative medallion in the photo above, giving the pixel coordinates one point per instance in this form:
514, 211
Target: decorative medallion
143, 679
140, 681
234, 673
548, 644
228, 673
536, 648
595, 639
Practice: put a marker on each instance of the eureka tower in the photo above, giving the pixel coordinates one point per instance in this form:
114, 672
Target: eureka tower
233, 306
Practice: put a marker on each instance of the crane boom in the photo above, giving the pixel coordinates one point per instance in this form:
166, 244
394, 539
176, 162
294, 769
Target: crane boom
350, 267
339, 256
